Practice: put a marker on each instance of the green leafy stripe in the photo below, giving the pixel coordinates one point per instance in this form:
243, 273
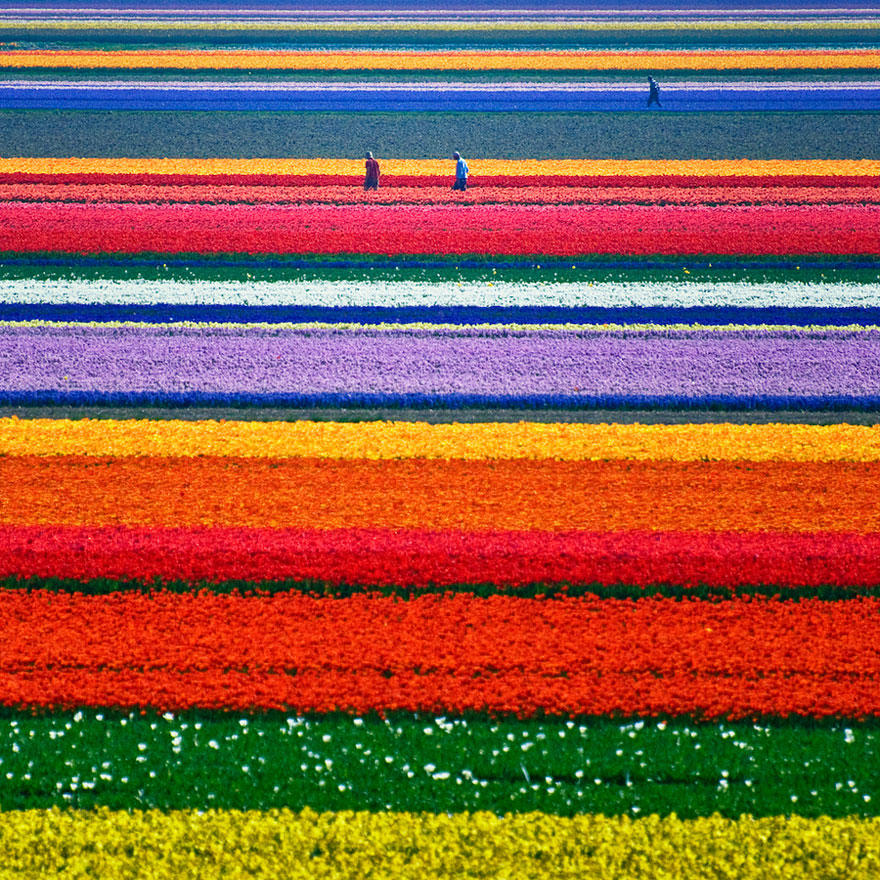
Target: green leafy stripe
497, 38
412, 762
508, 135
284, 267
105, 586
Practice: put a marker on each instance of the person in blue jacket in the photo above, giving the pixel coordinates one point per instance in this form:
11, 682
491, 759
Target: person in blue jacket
461, 172
654, 94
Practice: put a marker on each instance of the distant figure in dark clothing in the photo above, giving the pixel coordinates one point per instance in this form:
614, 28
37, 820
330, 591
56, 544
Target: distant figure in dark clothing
654, 95
372, 179
461, 172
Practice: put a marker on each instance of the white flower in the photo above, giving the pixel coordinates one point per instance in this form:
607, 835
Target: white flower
404, 293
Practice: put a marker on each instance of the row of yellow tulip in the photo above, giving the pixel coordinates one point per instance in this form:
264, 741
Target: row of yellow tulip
280, 843
408, 440
429, 167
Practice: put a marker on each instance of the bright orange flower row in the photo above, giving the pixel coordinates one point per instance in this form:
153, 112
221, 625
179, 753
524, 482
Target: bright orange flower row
544, 495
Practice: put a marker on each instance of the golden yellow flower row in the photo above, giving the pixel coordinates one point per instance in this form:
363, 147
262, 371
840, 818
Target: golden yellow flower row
378, 23
484, 167
53, 843
157, 59
403, 440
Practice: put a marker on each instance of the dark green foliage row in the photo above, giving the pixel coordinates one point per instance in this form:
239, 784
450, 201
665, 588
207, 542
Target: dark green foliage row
130, 760
515, 135
429, 268
107, 586
680, 37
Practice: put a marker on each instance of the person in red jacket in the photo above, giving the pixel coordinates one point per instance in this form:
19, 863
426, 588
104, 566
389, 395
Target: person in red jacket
372, 179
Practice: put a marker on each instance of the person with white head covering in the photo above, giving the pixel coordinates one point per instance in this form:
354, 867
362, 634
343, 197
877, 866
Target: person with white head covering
371, 181
461, 172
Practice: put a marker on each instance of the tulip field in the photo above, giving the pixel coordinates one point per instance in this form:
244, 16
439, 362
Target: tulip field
528, 530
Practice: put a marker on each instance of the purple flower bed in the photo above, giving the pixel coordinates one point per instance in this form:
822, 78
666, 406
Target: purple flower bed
422, 364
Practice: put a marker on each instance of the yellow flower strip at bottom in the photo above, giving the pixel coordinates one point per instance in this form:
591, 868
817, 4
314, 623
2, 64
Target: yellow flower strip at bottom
524, 168
475, 442
231, 844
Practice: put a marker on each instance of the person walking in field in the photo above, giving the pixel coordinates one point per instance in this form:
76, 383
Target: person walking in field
654, 94
461, 172
371, 181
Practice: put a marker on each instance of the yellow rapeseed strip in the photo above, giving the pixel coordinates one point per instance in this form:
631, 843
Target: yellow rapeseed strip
431, 167
158, 59
402, 440
332, 846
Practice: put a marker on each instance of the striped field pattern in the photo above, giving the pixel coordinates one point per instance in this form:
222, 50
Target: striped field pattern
526, 530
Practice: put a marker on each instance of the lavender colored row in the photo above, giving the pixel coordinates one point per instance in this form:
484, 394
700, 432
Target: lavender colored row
498, 363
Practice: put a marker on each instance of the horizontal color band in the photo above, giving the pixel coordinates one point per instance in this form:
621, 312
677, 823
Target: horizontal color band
458, 300
549, 87
446, 403
525, 20
769, 137
308, 844
104, 586
675, 329
524, 185
447, 60
399, 440
554, 496
434, 190
561, 230
419, 558
577, 656
523, 168
403, 761
469, 366
721, 318
795, 271
479, 99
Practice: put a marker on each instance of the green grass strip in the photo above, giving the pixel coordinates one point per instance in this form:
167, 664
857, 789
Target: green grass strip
432, 269
106, 586
405, 135
411, 762
499, 37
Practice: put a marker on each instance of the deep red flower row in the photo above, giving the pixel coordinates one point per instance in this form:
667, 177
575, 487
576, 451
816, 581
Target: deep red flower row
427, 180
421, 558
734, 658
436, 195
560, 230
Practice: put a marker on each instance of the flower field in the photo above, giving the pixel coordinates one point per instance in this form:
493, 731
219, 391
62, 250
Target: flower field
523, 531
